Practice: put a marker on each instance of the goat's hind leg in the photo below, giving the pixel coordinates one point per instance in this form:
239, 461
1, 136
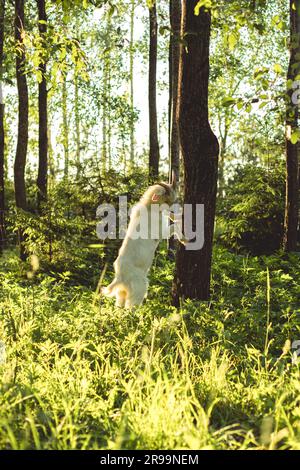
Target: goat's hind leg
121, 298
136, 293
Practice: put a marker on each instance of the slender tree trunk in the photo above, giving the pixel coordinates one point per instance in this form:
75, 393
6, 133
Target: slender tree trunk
104, 126
221, 177
42, 179
109, 115
131, 62
77, 115
200, 151
223, 149
22, 140
174, 54
292, 150
2, 179
153, 132
52, 169
2, 138
77, 124
106, 152
65, 127
175, 20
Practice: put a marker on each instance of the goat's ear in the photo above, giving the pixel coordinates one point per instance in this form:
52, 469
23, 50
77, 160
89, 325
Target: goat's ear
155, 197
174, 180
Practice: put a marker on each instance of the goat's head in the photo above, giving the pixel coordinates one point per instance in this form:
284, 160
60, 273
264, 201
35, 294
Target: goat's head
162, 193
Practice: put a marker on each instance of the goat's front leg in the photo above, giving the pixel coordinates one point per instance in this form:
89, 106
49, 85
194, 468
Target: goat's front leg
174, 231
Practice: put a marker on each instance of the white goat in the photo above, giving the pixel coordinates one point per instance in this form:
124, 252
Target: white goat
135, 257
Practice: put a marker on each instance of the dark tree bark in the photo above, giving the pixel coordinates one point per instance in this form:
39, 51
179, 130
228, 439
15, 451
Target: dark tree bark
174, 52
292, 150
2, 183
200, 150
42, 179
22, 140
153, 132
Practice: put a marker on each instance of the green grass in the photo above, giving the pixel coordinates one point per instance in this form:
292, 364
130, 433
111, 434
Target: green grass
80, 374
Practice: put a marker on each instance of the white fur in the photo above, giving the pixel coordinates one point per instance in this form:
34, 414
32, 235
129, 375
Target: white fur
135, 257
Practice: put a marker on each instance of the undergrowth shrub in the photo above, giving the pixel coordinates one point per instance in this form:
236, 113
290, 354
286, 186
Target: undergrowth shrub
251, 215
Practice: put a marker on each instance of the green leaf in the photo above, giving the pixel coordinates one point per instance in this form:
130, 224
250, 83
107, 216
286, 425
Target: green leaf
111, 10
202, 3
232, 40
286, 277
275, 19
263, 104
163, 30
259, 72
295, 137
228, 101
277, 68
96, 245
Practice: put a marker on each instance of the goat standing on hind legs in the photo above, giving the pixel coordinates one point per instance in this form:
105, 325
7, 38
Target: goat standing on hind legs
136, 254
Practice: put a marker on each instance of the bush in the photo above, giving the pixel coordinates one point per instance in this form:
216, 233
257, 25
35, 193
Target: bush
251, 215
64, 236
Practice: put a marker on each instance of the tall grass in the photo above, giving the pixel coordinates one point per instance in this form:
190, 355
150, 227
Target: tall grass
80, 374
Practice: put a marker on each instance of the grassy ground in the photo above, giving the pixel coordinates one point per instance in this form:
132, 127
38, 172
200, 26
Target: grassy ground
222, 375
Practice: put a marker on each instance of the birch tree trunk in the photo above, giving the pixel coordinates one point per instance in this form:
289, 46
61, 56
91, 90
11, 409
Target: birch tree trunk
77, 124
65, 129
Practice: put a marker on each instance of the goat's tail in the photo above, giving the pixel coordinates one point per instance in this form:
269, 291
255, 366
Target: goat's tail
110, 290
